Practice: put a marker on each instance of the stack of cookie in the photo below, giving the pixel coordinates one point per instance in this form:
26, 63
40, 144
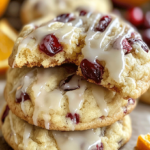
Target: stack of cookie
79, 71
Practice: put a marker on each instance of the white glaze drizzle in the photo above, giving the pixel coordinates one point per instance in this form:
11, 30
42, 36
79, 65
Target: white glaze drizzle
76, 97
44, 101
94, 50
64, 34
24, 83
12, 127
87, 140
99, 95
26, 135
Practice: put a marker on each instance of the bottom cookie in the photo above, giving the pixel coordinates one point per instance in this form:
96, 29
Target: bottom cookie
146, 97
22, 136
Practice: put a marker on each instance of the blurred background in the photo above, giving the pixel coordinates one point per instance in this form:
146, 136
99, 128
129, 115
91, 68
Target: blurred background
13, 15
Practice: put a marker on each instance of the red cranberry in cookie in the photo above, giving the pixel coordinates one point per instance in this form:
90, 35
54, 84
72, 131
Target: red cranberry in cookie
65, 18
50, 45
139, 41
92, 71
131, 101
74, 117
83, 12
126, 46
23, 97
66, 84
5, 114
99, 147
103, 23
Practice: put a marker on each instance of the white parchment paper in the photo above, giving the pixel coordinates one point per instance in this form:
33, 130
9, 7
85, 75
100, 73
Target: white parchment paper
140, 121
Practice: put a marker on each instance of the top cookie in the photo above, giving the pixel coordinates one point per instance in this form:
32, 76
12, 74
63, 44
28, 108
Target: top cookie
107, 50
33, 9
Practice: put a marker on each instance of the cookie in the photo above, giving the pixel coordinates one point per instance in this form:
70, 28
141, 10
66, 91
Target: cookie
57, 99
146, 97
32, 10
22, 136
107, 50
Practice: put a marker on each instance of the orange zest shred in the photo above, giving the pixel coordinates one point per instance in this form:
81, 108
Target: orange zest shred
143, 142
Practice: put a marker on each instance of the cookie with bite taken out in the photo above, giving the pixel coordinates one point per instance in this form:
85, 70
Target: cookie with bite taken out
106, 49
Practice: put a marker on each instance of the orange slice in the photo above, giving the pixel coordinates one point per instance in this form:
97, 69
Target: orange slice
7, 37
143, 142
3, 6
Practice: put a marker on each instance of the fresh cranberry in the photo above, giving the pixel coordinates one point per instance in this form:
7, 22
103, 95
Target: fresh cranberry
135, 16
23, 97
142, 43
126, 46
83, 12
103, 23
50, 45
65, 18
92, 71
146, 36
131, 101
66, 81
74, 117
5, 114
147, 20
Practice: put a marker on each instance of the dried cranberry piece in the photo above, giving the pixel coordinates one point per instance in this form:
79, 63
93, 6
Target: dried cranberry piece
142, 43
5, 114
126, 46
99, 147
74, 117
103, 23
83, 12
24, 97
102, 117
125, 110
131, 101
68, 88
50, 45
65, 18
92, 71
